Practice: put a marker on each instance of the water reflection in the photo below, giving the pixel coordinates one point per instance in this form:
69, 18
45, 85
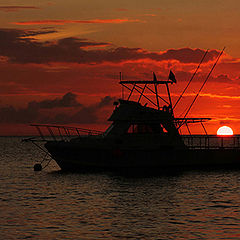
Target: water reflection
52, 204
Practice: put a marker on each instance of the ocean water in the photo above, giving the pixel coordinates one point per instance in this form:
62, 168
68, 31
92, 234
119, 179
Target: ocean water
54, 205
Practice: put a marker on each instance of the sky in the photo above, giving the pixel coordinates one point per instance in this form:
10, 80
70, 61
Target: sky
60, 60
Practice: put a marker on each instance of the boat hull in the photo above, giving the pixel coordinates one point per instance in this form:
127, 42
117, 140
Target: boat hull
76, 157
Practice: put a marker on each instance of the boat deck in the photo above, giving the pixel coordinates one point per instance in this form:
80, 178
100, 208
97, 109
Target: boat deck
211, 141
65, 133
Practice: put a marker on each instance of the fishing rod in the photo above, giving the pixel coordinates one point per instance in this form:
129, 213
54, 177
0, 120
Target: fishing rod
191, 79
204, 83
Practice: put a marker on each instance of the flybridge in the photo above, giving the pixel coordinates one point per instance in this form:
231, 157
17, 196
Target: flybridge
161, 103
165, 103
136, 86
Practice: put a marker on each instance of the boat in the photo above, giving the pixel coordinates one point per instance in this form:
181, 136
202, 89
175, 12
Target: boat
139, 137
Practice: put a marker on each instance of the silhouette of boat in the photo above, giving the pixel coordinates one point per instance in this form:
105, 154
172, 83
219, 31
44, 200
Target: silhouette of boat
140, 137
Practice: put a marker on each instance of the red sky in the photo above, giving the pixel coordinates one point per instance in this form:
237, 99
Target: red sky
60, 61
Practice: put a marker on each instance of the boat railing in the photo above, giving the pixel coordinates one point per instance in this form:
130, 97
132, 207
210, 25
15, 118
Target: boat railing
211, 141
63, 133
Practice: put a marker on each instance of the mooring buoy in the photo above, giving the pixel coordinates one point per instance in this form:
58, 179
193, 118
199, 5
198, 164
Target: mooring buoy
37, 167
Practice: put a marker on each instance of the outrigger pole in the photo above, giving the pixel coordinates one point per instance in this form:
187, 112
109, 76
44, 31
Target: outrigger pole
203, 83
191, 79
155, 85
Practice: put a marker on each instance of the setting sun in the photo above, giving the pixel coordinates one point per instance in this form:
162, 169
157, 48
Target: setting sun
225, 130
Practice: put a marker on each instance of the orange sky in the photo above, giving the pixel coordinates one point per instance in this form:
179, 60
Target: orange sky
60, 61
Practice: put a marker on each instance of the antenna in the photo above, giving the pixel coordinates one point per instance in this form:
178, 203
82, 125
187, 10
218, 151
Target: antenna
191, 79
121, 77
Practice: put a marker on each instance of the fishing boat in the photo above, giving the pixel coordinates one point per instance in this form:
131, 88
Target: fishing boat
139, 136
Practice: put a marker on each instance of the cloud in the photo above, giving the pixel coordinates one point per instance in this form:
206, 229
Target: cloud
150, 15
224, 122
201, 76
18, 36
68, 100
121, 9
19, 46
16, 8
80, 43
32, 112
62, 110
62, 22
220, 96
221, 78
88, 114
188, 55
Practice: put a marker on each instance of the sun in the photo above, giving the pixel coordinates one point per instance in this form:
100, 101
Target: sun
225, 131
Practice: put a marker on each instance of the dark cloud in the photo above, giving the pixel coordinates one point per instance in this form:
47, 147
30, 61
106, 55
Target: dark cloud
106, 101
44, 111
16, 8
9, 114
121, 9
224, 122
187, 55
86, 114
79, 43
200, 77
68, 100
32, 112
18, 47
222, 78
62, 22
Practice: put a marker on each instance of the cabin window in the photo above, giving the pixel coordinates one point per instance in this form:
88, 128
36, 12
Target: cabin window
143, 128
163, 128
139, 128
130, 129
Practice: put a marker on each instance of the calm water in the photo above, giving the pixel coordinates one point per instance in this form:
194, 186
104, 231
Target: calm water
55, 205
